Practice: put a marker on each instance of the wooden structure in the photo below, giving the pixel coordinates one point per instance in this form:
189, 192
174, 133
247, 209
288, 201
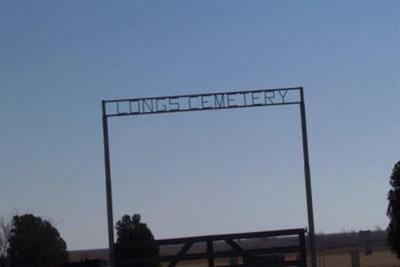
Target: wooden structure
255, 249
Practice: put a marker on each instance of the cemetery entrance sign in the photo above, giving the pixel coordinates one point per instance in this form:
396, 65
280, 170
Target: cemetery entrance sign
200, 102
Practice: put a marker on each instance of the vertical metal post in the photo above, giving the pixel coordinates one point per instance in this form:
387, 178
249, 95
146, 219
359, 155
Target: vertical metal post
307, 177
302, 243
108, 187
210, 252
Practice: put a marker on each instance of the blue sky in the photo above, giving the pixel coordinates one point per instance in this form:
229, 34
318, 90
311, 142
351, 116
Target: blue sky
205, 172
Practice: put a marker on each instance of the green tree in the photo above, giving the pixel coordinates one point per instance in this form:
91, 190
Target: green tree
135, 240
34, 242
393, 210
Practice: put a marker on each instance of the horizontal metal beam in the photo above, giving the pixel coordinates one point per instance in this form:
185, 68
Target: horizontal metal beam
261, 234
205, 94
206, 101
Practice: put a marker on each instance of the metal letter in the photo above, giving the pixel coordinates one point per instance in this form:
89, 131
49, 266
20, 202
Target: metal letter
145, 104
269, 97
244, 99
229, 100
219, 103
203, 101
137, 111
174, 103
190, 102
283, 96
163, 105
253, 98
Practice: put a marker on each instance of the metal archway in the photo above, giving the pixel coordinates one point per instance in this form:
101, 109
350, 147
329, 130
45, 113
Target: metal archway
201, 102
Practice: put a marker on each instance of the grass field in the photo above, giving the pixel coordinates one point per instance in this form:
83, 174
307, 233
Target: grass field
381, 257
341, 257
